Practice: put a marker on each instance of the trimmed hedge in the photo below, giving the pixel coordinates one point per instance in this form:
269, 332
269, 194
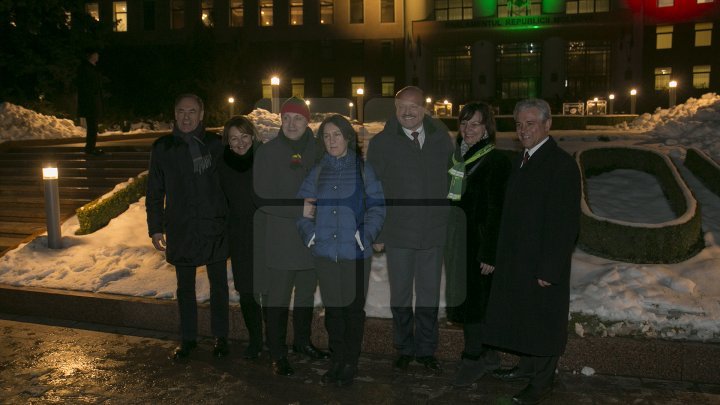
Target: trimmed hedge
667, 242
98, 213
704, 168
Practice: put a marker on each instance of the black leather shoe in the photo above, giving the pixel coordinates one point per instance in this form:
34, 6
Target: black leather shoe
252, 352
511, 374
95, 152
430, 363
402, 362
331, 376
282, 367
531, 395
346, 375
312, 352
182, 351
220, 349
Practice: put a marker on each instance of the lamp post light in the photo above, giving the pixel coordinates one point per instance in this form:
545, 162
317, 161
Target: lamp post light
672, 87
360, 106
307, 103
231, 104
633, 97
448, 108
611, 103
52, 206
275, 87
427, 104
350, 107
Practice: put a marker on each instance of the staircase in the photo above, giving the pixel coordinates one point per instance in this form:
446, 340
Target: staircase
82, 178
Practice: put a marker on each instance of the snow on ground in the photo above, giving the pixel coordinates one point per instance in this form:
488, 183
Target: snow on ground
676, 301
20, 123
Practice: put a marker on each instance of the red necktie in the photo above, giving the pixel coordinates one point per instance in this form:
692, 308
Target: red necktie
415, 135
526, 157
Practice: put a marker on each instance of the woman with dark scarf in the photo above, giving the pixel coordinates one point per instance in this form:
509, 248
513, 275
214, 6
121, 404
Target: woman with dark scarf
185, 203
477, 189
240, 140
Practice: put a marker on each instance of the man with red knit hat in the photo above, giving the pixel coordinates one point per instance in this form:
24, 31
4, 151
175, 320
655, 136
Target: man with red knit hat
279, 169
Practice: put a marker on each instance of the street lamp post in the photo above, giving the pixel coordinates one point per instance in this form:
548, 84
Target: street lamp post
275, 87
427, 105
360, 106
611, 103
633, 96
307, 103
52, 206
231, 105
672, 87
350, 108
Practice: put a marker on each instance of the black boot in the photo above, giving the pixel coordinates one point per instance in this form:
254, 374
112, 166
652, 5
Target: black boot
182, 351
252, 315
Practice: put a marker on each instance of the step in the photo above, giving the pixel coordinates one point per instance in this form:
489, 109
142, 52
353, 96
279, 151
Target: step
20, 228
126, 172
63, 181
77, 201
40, 156
77, 163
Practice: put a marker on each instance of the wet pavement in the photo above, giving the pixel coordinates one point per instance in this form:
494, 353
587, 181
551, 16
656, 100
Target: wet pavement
50, 361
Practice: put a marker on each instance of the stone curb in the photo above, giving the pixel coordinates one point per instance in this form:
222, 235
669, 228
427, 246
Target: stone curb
631, 357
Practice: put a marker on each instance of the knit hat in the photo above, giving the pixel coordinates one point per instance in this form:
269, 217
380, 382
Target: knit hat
296, 105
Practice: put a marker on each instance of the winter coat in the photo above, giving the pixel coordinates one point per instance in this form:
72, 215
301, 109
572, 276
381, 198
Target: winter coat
277, 179
474, 226
347, 202
188, 207
236, 179
415, 184
89, 86
538, 230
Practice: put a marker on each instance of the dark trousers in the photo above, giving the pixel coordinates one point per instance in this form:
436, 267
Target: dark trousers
253, 317
280, 289
415, 332
542, 369
91, 133
343, 287
187, 303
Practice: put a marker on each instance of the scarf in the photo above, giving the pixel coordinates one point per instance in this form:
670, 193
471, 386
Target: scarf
457, 172
239, 163
199, 153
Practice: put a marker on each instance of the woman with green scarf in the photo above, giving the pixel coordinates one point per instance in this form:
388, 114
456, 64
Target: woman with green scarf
477, 189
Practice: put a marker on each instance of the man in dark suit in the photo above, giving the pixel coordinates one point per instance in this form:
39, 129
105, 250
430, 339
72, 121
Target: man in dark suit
529, 301
411, 156
89, 83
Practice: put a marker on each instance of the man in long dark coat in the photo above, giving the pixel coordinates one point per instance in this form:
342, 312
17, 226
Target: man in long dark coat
529, 300
89, 107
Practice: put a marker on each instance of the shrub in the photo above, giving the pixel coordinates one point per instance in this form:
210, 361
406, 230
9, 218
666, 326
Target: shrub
98, 213
704, 168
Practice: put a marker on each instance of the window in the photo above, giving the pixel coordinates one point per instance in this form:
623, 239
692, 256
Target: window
703, 34
662, 77
177, 18
93, 10
388, 86
519, 66
356, 82
296, 12
587, 69
387, 11
120, 16
149, 15
266, 88
511, 8
586, 6
665, 3
266, 13
327, 11
357, 11
327, 87
206, 8
298, 87
453, 10
237, 13
704, 1
701, 77
664, 35
452, 72
386, 50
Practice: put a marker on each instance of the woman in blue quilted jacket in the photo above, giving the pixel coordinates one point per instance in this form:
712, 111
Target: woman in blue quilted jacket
344, 212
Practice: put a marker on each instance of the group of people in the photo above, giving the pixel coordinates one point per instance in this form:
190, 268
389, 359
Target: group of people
305, 209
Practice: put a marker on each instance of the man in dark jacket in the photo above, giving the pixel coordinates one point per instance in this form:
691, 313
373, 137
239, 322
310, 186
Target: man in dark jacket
279, 169
89, 87
185, 202
411, 156
527, 311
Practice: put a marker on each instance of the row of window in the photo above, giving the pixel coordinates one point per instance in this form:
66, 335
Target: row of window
664, 35
237, 13
670, 3
327, 86
700, 77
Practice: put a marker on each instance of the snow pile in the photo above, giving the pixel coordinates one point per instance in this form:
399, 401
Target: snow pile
693, 124
18, 123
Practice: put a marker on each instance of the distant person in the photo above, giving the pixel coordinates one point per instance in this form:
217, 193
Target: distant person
530, 296
90, 98
240, 140
186, 203
411, 156
343, 216
279, 169
478, 178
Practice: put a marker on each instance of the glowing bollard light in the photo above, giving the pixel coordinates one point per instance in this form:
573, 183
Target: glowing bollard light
633, 97
360, 106
350, 108
275, 87
231, 102
672, 92
307, 103
52, 206
611, 103
427, 104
